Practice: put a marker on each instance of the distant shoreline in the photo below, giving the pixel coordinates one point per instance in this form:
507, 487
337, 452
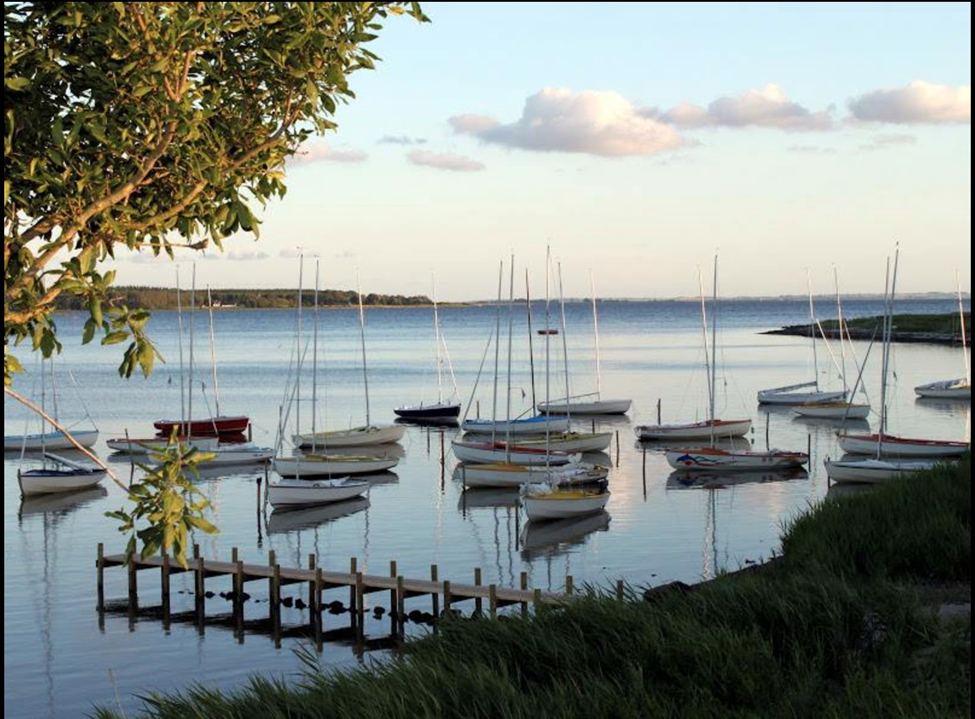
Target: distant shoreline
940, 329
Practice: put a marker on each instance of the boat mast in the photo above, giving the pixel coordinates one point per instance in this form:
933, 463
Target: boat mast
189, 384
595, 334
704, 333
964, 345
314, 365
436, 339
714, 345
511, 316
565, 348
179, 328
839, 321
213, 352
548, 374
812, 329
531, 349
362, 337
301, 355
497, 355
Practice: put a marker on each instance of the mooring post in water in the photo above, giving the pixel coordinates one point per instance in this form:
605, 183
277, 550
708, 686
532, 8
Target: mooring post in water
393, 601
568, 585
619, 589
594, 425
353, 570
435, 577
493, 600
400, 603
617, 448
446, 596
200, 589
477, 583
100, 567
524, 588
659, 421
767, 416
311, 589
164, 586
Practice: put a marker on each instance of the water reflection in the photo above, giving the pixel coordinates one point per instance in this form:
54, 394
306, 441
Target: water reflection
716, 480
847, 489
380, 478
62, 503
292, 520
480, 497
854, 425
561, 536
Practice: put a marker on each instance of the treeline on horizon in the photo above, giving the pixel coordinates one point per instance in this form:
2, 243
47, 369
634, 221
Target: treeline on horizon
163, 298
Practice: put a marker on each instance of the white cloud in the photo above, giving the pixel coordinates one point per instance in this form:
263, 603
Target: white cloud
237, 255
444, 161
401, 140
884, 142
323, 152
592, 122
812, 150
919, 103
768, 107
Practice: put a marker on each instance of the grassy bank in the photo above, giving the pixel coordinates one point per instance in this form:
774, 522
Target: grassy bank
940, 329
838, 628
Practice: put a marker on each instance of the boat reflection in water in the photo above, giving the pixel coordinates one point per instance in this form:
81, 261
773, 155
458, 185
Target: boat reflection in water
858, 425
486, 497
379, 478
293, 520
716, 480
560, 536
845, 489
62, 503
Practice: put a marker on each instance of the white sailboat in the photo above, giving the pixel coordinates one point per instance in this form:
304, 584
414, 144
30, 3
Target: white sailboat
791, 394
365, 435
64, 476
712, 428
303, 492
506, 474
594, 403
887, 450
960, 388
713, 458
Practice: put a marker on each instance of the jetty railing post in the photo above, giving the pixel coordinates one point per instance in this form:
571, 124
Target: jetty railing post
100, 568
400, 603
312, 590
200, 589
493, 600
164, 587
446, 597
133, 583
393, 597
276, 605
478, 604
239, 598
537, 599
316, 608
434, 577
359, 608
568, 585
353, 570
524, 588
619, 590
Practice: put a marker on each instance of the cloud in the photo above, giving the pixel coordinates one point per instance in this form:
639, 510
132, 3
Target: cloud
401, 140
444, 161
323, 152
237, 255
919, 103
884, 142
768, 107
602, 123
812, 150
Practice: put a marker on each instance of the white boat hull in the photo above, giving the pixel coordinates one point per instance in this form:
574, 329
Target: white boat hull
694, 431
48, 440
487, 453
34, 482
602, 406
325, 465
570, 441
946, 389
551, 506
513, 475
517, 427
771, 396
302, 493
873, 471
899, 446
156, 444
717, 460
833, 410
233, 455
353, 437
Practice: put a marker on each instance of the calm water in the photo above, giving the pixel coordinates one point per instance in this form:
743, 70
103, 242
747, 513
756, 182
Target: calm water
60, 659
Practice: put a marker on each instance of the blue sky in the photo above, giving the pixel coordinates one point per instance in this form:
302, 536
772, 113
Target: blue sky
784, 136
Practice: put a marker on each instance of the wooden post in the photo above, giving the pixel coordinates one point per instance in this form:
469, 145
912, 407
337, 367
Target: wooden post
316, 608
594, 425
617, 448
568, 585
659, 421
393, 599
446, 596
312, 588
233, 555
809, 448
537, 599
493, 600
164, 585
276, 604
238, 593
619, 589
100, 569
434, 576
360, 601
133, 583
271, 560
477, 582
353, 570
196, 551
768, 415
200, 588
400, 602
524, 588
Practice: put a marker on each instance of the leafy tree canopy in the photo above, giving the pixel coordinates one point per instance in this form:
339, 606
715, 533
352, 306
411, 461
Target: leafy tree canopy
154, 125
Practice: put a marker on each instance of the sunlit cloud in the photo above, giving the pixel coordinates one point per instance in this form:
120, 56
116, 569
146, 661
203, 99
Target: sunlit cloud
401, 140
323, 152
237, 255
602, 123
919, 103
812, 150
768, 107
885, 142
444, 161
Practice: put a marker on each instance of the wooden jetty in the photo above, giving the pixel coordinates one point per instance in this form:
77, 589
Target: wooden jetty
444, 594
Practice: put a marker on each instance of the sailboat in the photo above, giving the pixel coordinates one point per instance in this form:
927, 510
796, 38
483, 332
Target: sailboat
791, 394
960, 388
42, 440
713, 458
64, 476
303, 493
230, 426
839, 409
440, 410
367, 434
712, 428
883, 446
582, 404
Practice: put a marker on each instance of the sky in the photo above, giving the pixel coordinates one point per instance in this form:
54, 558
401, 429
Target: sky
638, 140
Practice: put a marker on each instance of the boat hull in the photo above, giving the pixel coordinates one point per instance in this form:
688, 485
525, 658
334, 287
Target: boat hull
429, 412
364, 436
34, 482
157, 444
872, 471
833, 410
514, 475
213, 427
892, 446
48, 440
602, 406
517, 427
946, 389
569, 442
793, 398
550, 506
302, 493
321, 465
705, 459
489, 453
697, 430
